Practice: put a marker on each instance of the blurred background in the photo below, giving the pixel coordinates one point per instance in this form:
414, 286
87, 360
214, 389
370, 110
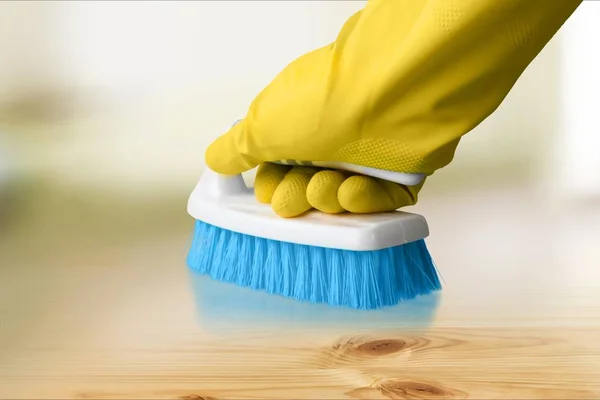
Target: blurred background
106, 109
125, 96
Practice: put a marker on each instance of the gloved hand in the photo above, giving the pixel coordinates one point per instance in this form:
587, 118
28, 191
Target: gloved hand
400, 86
294, 190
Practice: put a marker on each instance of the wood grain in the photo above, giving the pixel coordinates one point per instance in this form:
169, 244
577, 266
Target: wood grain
108, 311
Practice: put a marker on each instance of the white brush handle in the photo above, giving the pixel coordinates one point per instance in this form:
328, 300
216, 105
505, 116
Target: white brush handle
220, 186
226, 202
392, 176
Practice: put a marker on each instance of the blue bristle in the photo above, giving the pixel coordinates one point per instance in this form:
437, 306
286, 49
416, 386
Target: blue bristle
356, 279
303, 271
258, 271
273, 276
319, 275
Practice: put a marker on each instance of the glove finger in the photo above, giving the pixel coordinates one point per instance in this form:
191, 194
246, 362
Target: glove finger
268, 178
400, 195
362, 194
289, 199
229, 154
322, 191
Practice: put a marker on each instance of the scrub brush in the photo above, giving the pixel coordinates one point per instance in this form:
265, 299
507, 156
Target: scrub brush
361, 261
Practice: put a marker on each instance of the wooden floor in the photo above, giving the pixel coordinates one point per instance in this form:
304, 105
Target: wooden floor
96, 303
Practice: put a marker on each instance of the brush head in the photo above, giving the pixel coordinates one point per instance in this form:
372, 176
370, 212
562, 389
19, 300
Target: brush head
358, 261
226, 202
357, 279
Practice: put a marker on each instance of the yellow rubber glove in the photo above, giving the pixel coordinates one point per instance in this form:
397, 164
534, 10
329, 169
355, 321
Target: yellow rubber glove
294, 190
402, 83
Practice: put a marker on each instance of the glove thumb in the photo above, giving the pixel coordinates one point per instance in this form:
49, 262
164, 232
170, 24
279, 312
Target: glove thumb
229, 154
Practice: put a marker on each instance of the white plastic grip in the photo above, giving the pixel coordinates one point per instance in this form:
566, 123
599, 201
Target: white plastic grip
392, 176
222, 186
226, 202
